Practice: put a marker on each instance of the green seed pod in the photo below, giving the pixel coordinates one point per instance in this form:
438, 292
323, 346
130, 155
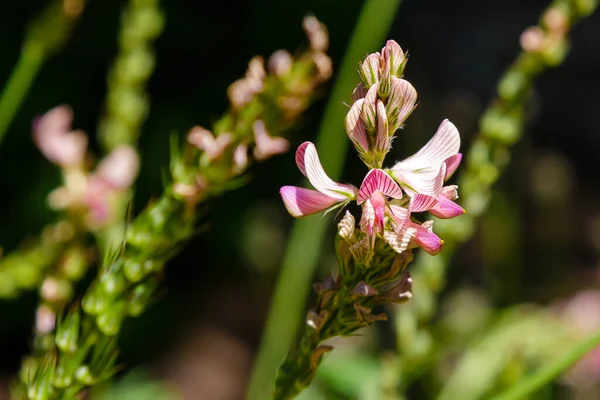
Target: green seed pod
95, 300
67, 332
109, 320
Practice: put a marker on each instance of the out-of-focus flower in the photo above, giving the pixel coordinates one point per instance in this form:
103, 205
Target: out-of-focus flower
267, 145
54, 137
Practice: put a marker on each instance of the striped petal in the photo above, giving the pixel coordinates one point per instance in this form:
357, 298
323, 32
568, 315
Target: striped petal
451, 165
378, 179
356, 128
422, 202
301, 202
399, 241
420, 171
309, 164
427, 181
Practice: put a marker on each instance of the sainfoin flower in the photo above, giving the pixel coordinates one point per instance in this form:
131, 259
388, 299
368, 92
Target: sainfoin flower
390, 199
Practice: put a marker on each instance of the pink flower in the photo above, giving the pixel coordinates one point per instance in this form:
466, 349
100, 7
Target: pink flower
301, 202
373, 191
426, 171
54, 137
267, 145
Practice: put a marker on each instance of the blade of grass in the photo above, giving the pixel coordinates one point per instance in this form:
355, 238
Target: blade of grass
304, 245
544, 376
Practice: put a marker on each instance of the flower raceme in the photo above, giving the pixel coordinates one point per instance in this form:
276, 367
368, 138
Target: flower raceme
389, 198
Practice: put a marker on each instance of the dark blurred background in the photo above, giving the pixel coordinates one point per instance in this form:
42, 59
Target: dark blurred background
540, 240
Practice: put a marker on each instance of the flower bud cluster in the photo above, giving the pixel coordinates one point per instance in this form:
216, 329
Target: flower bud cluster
90, 196
263, 103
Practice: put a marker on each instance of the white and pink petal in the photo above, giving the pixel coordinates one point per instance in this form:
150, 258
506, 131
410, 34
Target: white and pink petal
301, 202
378, 180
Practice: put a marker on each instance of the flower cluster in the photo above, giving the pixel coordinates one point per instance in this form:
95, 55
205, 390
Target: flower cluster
87, 194
388, 197
265, 101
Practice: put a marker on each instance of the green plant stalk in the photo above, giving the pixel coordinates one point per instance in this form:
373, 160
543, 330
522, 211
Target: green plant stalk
530, 384
46, 35
306, 237
18, 84
501, 126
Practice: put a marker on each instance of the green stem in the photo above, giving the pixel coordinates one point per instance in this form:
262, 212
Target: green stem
18, 84
530, 384
304, 246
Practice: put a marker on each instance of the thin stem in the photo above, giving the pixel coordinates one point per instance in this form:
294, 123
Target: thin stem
532, 383
304, 246
18, 84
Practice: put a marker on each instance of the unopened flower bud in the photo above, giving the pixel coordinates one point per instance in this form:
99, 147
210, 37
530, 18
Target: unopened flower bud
84, 375
364, 315
356, 128
327, 284
383, 139
400, 293
109, 321
369, 71
532, 39
256, 68
450, 192
45, 319
324, 66
94, 301
112, 283
316, 321
394, 57
140, 298
401, 102
267, 145
67, 332
56, 290
240, 158
364, 289
242, 91
359, 92
369, 109
280, 62
316, 32
346, 226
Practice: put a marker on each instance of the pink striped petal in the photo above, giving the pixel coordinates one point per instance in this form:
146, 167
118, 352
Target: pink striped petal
309, 164
451, 165
425, 238
422, 202
401, 102
356, 128
367, 219
369, 109
359, 92
301, 202
445, 208
300, 156
382, 140
378, 179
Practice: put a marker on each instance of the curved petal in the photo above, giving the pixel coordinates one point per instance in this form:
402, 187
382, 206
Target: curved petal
378, 179
356, 128
446, 208
427, 181
443, 145
422, 202
301, 202
309, 164
367, 219
425, 238
399, 241
451, 165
